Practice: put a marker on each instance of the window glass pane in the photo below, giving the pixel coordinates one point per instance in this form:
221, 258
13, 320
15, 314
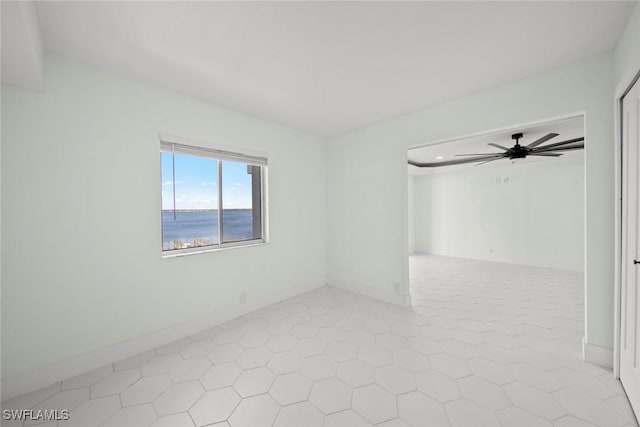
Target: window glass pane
196, 200
241, 203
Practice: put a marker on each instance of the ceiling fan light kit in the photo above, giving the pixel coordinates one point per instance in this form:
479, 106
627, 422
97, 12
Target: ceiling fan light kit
516, 152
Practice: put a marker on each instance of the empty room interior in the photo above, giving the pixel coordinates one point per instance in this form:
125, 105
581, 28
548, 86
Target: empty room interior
320, 213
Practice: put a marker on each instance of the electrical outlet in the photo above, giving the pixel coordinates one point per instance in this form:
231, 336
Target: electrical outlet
490, 250
243, 297
396, 287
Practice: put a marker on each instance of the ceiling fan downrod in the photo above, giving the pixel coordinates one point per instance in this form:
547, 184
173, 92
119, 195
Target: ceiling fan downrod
517, 151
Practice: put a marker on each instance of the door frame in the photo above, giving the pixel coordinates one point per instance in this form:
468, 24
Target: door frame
619, 216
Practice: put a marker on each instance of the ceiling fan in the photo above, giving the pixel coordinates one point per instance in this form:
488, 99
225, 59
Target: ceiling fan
516, 152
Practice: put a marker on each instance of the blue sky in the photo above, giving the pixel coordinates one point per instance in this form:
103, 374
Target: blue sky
197, 186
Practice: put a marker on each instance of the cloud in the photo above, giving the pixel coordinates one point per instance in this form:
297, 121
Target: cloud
171, 182
208, 184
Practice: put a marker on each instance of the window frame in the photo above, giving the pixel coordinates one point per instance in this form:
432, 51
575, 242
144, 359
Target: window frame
199, 149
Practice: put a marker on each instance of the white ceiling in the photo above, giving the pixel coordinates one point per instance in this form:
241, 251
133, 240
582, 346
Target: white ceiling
329, 67
566, 129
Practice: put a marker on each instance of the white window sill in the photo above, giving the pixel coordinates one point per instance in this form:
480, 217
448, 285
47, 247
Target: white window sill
226, 246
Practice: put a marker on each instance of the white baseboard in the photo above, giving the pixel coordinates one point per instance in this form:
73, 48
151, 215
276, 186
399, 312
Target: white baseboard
379, 294
45, 376
597, 355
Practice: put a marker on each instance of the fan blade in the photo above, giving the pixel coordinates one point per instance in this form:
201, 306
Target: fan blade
541, 140
545, 154
498, 146
560, 148
454, 162
480, 154
487, 161
561, 143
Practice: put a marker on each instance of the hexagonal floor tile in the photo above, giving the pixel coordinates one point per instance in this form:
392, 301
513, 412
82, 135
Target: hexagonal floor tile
285, 362
190, 369
228, 336
115, 383
141, 415
395, 379
356, 373
304, 330
178, 398
537, 377
588, 408
438, 386
93, 412
214, 406
176, 420
492, 371
391, 341
405, 329
342, 350
145, 391
280, 343
534, 401
197, 349
254, 357
222, 375
255, 411
459, 349
299, 414
254, 381
375, 326
360, 337
449, 365
311, 346
290, 388
374, 403
348, 418
68, 399
411, 360
324, 320
330, 396
225, 353
331, 333
417, 409
254, 339
483, 392
375, 355
514, 416
424, 345
465, 413
319, 367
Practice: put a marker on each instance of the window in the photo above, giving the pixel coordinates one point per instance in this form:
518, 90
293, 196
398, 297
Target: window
210, 198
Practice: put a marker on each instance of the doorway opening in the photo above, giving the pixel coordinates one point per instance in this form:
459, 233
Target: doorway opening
497, 238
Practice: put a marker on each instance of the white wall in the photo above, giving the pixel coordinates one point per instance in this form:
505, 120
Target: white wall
412, 210
523, 213
627, 53
367, 177
81, 223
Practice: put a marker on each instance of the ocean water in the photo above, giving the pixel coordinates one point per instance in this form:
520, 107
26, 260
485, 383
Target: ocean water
200, 228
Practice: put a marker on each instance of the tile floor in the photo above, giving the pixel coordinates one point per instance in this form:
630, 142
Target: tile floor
484, 345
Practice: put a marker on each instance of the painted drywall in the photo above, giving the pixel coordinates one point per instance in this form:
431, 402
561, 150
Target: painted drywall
82, 267
411, 214
627, 53
529, 213
368, 177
